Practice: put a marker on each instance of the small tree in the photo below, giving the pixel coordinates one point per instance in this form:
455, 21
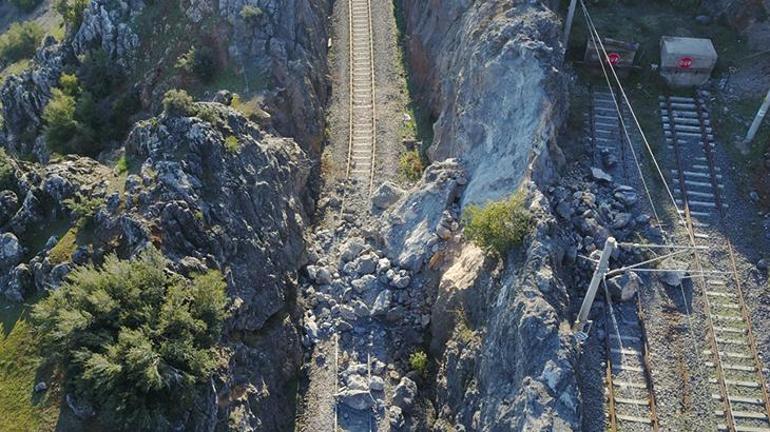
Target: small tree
178, 102
72, 11
499, 225
132, 339
59, 118
199, 62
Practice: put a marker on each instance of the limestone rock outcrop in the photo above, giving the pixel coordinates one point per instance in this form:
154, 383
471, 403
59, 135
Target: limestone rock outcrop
492, 79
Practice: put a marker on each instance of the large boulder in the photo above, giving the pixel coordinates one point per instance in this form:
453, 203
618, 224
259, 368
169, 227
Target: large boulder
409, 226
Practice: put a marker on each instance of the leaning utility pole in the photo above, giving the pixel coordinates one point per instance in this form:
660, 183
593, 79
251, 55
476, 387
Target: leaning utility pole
568, 22
758, 120
582, 322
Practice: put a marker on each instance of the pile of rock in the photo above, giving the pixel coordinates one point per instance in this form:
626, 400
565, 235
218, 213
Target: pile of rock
362, 285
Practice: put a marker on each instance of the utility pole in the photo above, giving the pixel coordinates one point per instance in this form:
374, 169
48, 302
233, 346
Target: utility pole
568, 22
582, 324
757, 120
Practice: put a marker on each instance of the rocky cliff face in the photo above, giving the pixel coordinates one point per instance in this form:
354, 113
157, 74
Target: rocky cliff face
236, 208
282, 49
491, 74
500, 331
287, 42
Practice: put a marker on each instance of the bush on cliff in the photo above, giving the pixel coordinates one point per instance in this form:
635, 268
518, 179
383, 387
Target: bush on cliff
72, 11
498, 225
20, 41
132, 339
178, 102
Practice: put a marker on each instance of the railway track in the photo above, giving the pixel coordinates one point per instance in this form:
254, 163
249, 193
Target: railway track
698, 182
630, 400
738, 387
362, 146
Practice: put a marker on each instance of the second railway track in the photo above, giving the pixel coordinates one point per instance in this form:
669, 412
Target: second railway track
738, 386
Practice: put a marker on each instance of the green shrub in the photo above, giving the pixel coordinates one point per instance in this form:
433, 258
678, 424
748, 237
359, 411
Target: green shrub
26, 5
71, 11
498, 225
418, 361
83, 207
231, 144
132, 339
121, 166
6, 172
250, 12
20, 41
410, 165
178, 102
200, 62
59, 117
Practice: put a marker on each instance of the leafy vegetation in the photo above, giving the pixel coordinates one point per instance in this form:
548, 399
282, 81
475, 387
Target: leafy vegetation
83, 207
498, 225
121, 166
410, 165
71, 11
231, 144
199, 62
132, 339
178, 102
20, 41
6, 171
81, 117
418, 361
250, 12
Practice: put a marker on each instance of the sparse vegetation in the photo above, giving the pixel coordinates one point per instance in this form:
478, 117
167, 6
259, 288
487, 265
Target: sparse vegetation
231, 144
250, 12
199, 62
418, 361
84, 208
132, 339
72, 11
499, 225
64, 248
20, 41
23, 410
410, 165
6, 171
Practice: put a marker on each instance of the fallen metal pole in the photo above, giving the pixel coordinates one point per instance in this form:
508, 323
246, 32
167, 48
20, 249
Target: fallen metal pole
758, 120
582, 322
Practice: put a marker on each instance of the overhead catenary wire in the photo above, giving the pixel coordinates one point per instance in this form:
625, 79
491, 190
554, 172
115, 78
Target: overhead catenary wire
594, 37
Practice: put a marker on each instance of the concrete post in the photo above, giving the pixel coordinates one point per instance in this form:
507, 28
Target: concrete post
568, 23
758, 120
582, 320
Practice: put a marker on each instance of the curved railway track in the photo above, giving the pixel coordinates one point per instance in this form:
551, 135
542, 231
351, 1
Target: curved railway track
362, 145
630, 399
739, 390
